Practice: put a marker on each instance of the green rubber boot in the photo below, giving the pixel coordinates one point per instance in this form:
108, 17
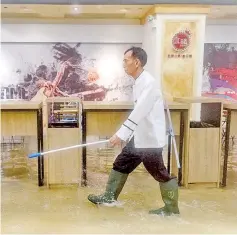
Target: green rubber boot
114, 186
169, 193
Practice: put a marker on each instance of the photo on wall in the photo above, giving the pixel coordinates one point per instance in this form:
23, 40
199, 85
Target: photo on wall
92, 72
220, 71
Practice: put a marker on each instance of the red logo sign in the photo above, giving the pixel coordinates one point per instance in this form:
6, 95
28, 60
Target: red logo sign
181, 41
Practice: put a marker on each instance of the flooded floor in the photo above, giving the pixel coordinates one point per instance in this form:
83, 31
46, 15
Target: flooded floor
26, 208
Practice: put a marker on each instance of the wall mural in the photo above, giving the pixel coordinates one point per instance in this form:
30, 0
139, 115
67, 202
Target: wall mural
220, 71
35, 71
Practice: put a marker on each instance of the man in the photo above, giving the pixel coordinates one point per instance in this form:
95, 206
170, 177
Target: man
145, 129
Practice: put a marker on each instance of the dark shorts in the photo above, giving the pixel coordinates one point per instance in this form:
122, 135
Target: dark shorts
152, 159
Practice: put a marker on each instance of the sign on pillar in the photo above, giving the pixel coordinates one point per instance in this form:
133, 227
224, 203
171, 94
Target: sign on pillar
180, 35
178, 58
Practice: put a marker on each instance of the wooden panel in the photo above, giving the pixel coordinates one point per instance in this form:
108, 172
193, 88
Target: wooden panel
105, 123
233, 123
175, 118
204, 155
64, 167
18, 123
185, 159
174, 168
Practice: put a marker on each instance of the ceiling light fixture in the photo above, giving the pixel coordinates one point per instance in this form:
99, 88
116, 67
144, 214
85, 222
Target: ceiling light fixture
24, 8
216, 10
124, 10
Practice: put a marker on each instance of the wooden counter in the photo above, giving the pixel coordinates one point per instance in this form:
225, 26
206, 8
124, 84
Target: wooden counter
102, 119
24, 118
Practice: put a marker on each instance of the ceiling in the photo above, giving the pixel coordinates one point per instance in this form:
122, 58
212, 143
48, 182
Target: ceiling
41, 11
121, 2
75, 11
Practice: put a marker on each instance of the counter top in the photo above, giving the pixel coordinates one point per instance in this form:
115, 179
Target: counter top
20, 105
87, 105
198, 99
230, 105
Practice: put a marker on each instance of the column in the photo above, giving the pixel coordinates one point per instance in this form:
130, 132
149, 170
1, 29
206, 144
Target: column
177, 54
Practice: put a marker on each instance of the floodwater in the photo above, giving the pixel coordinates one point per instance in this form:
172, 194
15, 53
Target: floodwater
26, 208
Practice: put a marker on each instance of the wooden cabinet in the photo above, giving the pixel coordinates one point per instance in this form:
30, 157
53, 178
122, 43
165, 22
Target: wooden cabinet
62, 128
203, 161
204, 155
64, 167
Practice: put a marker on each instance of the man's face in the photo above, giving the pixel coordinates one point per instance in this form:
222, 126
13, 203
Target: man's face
130, 63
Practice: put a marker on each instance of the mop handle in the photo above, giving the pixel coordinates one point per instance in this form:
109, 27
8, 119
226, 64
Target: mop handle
172, 135
33, 155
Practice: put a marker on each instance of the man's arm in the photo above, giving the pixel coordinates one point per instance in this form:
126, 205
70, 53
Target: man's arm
142, 108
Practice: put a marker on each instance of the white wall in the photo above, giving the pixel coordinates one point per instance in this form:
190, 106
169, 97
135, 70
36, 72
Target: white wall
149, 45
221, 31
221, 34
71, 33
216, 32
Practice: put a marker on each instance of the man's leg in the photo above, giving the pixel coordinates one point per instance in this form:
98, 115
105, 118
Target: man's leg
153, 161
124, 164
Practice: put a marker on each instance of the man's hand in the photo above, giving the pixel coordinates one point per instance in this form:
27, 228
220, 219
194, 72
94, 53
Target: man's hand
115, 140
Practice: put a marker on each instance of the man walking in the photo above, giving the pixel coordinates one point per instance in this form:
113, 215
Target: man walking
145, 132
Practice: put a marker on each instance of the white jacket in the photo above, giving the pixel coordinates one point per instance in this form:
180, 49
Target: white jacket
147, 121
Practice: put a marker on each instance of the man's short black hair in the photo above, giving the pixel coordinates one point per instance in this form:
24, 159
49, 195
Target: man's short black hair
138, 53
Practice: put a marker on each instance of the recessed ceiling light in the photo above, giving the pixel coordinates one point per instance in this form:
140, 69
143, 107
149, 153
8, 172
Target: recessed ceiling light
124, 10
216, 9
25, 8
75, 9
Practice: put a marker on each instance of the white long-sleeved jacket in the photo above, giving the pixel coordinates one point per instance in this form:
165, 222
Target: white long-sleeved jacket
146, 123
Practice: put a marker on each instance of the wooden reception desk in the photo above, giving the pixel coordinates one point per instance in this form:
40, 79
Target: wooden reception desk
24, 118
100, 120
